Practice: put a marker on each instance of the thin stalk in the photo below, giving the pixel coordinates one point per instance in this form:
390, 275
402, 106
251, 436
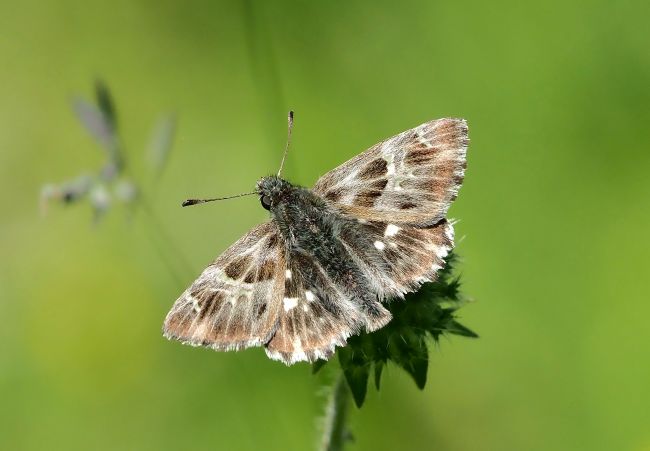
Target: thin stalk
335, 431
264, 71
161, 239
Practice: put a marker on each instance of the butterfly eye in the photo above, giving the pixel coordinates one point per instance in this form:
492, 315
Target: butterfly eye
266, 202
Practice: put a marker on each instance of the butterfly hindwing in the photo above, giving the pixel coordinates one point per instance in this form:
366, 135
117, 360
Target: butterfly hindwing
400, 257
411, 178
320, 312
315, 317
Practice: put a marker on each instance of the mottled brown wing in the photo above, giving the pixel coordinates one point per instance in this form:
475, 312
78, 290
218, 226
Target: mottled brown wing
410, 178
235, 303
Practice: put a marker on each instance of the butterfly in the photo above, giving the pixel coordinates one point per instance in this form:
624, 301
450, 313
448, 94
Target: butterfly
322, 267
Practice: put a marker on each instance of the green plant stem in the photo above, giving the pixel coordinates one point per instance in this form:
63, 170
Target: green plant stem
265, 73
335, 432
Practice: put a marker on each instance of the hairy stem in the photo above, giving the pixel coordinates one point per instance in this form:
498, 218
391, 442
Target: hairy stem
335, 433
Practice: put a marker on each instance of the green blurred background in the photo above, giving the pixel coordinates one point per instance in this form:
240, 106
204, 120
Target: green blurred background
554, 214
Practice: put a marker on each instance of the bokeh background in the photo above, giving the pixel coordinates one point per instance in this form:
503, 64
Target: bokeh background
554, 215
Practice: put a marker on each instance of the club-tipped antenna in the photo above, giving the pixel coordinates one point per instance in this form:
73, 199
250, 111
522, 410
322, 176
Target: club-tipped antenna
286, 149
190, 202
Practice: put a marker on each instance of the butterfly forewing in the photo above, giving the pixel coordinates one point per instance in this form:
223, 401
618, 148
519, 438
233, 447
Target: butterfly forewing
236, 301
411, 178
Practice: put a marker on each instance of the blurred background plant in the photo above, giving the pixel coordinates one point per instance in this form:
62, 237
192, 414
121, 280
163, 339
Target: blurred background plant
553, 207
112, 181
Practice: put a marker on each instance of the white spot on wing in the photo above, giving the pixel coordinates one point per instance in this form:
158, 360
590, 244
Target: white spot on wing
391, 169
287, 274
195, 303
423, 140
391, 230
380, 245
310, 296
289, 303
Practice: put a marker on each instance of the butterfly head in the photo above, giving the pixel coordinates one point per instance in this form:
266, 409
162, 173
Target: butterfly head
271, 190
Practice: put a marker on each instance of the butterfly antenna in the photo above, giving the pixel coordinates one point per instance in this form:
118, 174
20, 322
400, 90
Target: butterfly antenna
190, 202
286, 149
